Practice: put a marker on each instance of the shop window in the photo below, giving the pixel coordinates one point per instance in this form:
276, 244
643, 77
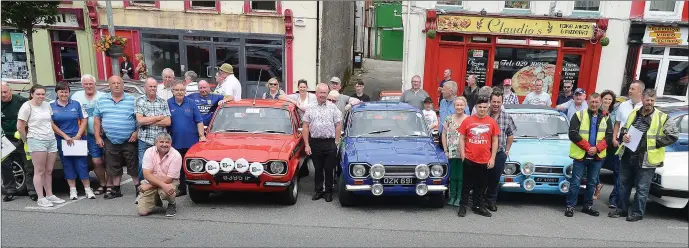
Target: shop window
63, 35
142, 3
571, 66
228, 55
683, 52
664, 69
264, 6
524, 66
648, 72
160, 55
480, 39
264, 42
263, 63
676, 78
14, 63
197, 38
517, 4
657, 9
213, 6
160, 36
512, 41
225, 40
477, 65
586, 5
653, 50
451, 37
551, 43
663, 6
203, 4
574, 44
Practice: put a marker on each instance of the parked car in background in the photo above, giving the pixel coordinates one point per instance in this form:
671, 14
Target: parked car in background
539, 160
670, 185
252, 146
388, 150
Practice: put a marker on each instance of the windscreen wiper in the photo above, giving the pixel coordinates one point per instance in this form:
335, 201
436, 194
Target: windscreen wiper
375, 132
269, 131
235, 130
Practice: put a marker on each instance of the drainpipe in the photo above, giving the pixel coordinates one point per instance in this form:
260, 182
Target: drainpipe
318, 42
406, 29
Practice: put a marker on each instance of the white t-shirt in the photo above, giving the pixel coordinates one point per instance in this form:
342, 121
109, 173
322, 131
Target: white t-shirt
624, 110
430, 117
230, 87
164, 93
192, 88
538, 99
39, 120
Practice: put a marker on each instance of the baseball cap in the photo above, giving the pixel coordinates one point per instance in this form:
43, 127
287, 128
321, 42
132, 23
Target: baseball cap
227, 68
579, 91
428, 100
507, 82
335, 80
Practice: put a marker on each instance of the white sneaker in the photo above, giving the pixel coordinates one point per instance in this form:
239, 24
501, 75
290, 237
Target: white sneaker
89, 193
43, 202
72, 193
55, 199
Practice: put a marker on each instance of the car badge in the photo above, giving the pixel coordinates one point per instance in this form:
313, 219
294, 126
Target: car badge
212, 167
256, 169
226, 164
241, 165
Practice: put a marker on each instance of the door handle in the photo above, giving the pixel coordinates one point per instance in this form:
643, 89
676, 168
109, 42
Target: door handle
208, 71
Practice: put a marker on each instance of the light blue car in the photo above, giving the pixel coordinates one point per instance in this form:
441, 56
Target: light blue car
538, 161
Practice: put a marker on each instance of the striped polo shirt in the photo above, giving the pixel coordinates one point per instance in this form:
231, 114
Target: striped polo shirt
117, 118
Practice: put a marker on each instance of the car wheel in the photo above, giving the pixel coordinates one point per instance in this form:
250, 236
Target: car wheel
304, 170
291, 194
346, 198
437, 200
19, 177
199, 196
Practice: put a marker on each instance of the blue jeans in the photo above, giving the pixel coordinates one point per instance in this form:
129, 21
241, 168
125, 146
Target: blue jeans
634, 176
592, 168
143, 146
614, 162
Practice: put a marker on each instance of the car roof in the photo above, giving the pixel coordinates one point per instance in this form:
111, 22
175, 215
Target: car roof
529, 108
365, 106
674, 111
261, 103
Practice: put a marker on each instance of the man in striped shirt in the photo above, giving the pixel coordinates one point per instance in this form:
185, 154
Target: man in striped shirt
114, 117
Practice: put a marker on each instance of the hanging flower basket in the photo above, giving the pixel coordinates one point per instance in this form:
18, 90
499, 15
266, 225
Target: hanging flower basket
605, 41
113, 46
115, 51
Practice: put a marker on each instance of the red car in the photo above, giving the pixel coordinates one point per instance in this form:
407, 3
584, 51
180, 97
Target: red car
253, 145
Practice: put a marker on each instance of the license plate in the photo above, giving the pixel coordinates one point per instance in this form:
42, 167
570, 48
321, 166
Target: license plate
399, 180
236, 178
546, 179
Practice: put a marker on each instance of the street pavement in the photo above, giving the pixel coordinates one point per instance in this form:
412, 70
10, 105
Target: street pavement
241, 219
378, 75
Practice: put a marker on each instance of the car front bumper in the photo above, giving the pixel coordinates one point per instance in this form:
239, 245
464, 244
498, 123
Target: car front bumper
264, 184
394, 190
670, 198
516, 184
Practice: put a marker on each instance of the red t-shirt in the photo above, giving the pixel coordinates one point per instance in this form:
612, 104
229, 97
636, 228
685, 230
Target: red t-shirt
478, 134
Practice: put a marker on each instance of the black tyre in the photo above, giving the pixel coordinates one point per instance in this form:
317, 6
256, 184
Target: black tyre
19, 174
291, 194
199, 196
436, 200
346, 198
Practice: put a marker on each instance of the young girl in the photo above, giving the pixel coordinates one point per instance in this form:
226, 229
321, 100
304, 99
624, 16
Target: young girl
429, 114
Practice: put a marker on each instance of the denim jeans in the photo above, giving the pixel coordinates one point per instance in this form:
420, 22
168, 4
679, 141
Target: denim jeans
493, 178
634, 176
592, 168
143, 146
614, 162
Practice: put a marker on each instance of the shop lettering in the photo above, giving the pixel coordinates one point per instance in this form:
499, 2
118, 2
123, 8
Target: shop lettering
496, 25
577, 29
521, 63
663, 29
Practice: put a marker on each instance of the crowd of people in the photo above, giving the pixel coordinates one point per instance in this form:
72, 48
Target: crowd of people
150, 135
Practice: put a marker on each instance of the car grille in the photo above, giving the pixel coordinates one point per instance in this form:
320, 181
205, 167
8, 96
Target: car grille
399, 170
548, 170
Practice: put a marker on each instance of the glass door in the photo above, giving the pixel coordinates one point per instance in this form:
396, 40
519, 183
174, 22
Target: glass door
199, 61
229, 55
66, 63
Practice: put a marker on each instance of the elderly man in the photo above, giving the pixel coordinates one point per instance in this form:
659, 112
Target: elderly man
322, 128
537, 96
471, 91
415, 96
359, 92
342, 100
638, 167
153, 117
566, 94
229, 86
88, 98
164, 89
114, 117
505, 139
190, 82
447, 104
161, 167
447, 76
206, 101
186, 128
589, 131
10, 109
576, 104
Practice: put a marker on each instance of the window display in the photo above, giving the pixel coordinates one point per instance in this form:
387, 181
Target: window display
524, 66
571, 65
14, 63
477, 64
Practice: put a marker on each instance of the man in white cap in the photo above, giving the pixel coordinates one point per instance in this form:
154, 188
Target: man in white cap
230, 87
342, 99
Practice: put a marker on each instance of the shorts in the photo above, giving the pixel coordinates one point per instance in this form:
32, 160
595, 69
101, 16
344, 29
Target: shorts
36, 145
117, 156
94, 150
147, 199
74, 167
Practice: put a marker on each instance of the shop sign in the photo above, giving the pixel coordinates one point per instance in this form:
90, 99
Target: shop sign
17, 40
664, 35
64, 20
515, 26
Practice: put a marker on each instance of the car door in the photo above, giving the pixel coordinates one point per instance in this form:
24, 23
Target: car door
683, 125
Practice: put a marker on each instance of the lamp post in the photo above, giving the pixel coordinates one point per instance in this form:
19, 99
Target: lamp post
111, 31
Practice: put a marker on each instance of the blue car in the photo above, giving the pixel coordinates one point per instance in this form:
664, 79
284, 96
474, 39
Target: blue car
387, 149
679, 116
538, 161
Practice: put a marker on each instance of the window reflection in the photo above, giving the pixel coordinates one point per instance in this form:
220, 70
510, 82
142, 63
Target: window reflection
676, 79
263, 63
160, 55
649, 72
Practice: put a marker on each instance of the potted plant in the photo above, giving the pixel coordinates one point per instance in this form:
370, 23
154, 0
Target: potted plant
113, 46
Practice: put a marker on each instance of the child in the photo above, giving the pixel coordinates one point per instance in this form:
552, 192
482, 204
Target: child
429, 114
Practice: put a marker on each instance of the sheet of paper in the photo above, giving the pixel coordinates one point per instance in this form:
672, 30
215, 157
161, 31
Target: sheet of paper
7, 147
77, 149
635, 138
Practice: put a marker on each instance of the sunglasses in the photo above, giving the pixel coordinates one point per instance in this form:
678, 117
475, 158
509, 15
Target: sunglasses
568, 87
333, 100
273, 84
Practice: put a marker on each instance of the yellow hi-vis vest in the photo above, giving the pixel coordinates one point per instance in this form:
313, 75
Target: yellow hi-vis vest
655, 156
577, 153
26, 146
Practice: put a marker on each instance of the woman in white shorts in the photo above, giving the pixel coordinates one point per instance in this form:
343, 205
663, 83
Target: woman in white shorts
36, 114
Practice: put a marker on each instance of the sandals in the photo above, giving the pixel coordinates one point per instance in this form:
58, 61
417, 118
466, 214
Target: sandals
596, 194
111, 194
99, 191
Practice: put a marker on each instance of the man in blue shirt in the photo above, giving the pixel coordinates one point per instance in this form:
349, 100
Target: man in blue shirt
206, 102
114, 117
186, 128
447, 104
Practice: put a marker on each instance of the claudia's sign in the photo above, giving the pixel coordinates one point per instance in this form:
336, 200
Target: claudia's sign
666, 35
515, 26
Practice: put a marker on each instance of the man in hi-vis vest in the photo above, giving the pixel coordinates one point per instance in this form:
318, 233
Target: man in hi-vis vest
590, 132
638, 167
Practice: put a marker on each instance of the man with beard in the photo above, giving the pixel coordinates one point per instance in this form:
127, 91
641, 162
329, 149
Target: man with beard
161, 168
505, 138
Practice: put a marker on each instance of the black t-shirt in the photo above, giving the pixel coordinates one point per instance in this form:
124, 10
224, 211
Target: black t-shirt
471, 96
363, 98
9, 114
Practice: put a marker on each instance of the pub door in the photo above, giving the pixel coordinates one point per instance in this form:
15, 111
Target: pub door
451, 57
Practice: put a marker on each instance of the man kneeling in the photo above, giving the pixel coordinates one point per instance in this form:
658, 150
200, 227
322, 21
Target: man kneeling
161, 166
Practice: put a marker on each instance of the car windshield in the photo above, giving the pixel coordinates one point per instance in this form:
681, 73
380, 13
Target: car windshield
540, 125
387, 123
241, 119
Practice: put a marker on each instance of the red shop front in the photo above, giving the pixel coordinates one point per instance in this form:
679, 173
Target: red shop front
523, 49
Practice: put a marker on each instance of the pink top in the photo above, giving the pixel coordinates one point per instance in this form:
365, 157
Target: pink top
169, 165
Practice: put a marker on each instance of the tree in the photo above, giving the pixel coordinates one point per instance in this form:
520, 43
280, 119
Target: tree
24, 16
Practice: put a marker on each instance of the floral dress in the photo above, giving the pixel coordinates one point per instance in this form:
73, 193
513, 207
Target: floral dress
141, 71
452, 136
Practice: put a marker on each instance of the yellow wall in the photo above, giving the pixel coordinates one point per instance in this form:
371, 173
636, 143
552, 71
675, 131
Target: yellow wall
87, 53
45, 68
